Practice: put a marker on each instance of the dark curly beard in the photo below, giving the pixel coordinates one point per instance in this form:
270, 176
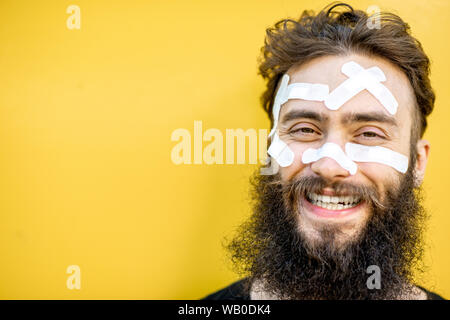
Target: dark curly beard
270, 246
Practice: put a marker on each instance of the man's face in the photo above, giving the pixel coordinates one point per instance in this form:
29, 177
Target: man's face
362, 120
300, 248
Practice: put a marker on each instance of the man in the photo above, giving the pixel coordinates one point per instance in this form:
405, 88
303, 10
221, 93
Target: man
338, 214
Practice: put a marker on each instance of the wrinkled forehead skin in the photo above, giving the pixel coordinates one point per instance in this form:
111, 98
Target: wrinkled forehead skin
327, 70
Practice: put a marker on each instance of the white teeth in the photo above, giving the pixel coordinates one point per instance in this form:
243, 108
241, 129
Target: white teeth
333, 202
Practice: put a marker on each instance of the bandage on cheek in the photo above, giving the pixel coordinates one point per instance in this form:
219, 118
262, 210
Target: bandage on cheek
280, 151
356, 153
377, 154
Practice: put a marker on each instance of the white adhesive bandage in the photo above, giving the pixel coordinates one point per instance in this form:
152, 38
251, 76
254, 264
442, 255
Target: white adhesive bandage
333, 151
361, 153
357, 153
280, 151
360, 79
298, 90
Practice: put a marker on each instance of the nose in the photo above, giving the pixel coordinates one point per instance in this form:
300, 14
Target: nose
329, 169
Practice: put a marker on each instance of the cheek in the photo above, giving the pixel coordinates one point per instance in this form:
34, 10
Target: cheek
297, 165
376, 171
378, 175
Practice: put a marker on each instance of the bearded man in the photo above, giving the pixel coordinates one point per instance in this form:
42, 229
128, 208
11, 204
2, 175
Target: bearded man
338, 214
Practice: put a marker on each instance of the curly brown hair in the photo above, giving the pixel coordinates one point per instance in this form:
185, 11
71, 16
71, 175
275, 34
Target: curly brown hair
332, 32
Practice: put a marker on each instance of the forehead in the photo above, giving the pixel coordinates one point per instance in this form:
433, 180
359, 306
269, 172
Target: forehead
327, 70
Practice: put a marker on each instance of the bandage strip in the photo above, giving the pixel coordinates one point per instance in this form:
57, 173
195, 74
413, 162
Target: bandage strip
278, 149
330, 150
360, 79
356, 153
361, 153
298, 90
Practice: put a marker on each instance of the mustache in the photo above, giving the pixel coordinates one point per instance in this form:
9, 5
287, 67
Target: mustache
298, 187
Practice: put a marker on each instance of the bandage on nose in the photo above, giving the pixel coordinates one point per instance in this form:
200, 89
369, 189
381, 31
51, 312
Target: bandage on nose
333, 151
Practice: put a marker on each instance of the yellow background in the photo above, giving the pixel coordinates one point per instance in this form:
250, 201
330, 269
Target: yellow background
86, 118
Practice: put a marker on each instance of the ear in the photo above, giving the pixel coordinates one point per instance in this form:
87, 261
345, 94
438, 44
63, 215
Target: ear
423, 149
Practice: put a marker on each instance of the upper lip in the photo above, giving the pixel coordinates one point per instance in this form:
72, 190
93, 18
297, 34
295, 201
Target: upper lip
330, 192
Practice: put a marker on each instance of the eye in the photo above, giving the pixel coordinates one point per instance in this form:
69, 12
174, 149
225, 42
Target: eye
371, 134
305, 130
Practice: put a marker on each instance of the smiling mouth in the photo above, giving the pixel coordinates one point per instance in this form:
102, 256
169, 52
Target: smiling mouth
333, 202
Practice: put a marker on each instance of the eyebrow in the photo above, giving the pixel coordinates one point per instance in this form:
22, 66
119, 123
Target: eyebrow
308, 114
369, 117
347, 118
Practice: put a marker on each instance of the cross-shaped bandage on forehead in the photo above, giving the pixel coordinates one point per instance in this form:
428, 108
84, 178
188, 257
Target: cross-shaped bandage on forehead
358, 80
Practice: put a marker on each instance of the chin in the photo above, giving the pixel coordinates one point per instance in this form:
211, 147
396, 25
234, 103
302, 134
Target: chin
321, 224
